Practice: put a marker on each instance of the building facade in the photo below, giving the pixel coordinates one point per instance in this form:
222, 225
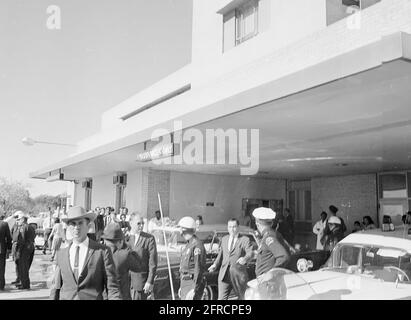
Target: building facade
325, 83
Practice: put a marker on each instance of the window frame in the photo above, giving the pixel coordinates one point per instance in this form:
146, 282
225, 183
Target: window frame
239, 21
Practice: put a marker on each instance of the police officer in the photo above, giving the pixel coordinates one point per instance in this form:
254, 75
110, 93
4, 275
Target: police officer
272, 251
193, 262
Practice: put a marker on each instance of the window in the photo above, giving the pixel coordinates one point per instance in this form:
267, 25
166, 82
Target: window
246, 18
87, 185
393, 185
340, 9
120, 196
87, 199
300, 204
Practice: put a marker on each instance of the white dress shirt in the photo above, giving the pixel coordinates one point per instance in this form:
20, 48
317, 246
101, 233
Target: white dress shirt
82, 255
318, 229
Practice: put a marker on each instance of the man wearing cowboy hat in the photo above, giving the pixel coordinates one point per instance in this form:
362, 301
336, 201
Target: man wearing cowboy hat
24, 236
125, 259
272, 252
85, 269
14, 237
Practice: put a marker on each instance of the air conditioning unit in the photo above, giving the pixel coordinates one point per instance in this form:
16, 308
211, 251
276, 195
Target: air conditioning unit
120, 179
56, 177
349, 3
88, 184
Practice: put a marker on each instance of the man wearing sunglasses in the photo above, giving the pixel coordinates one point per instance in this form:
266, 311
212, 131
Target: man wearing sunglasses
145, 246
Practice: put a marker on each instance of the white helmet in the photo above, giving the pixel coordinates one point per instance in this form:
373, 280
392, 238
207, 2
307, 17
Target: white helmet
334, 220
187, 223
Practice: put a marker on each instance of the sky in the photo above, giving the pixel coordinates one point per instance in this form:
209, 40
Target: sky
55, 84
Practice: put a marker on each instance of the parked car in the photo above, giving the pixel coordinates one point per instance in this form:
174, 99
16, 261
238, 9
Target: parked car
211, 236
367, 265
37, 224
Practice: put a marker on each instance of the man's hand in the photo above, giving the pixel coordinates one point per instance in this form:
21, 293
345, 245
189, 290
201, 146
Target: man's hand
242, 261
148, 287
212, 268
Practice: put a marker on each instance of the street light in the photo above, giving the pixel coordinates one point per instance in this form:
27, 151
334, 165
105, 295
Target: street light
31, 142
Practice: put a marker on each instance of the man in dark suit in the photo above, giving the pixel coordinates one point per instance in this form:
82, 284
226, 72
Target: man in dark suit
235, 252
5, 244
85, 269
24, 250
125, 259
145, 246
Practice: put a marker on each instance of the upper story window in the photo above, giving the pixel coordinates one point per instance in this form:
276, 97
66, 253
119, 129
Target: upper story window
246, 18
340, 9
240, 22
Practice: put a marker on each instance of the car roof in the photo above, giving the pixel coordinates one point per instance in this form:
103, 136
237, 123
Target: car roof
206, 228
221, 227
399, 238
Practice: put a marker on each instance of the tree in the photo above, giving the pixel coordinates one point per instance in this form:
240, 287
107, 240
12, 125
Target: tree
43, 202
14, 196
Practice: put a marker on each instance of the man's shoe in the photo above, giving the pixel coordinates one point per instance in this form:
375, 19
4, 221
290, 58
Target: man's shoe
20, 287
15, 282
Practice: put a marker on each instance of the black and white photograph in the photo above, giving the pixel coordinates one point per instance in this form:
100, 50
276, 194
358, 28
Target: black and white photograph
226, 151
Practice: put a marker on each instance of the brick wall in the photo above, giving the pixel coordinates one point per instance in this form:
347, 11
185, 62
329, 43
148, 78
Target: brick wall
157, 181
355, 196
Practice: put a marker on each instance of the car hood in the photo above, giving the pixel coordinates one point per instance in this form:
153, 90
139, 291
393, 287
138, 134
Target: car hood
332, 285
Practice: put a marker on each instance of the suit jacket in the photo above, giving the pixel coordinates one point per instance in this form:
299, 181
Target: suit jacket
97, 278
146, 249
5, 237
25, 239
225, 258
125, 261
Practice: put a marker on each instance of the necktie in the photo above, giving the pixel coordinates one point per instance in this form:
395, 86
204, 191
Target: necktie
232, 244
76, 259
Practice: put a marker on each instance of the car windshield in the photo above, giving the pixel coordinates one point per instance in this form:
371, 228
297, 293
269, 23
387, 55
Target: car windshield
384, 263
173, 238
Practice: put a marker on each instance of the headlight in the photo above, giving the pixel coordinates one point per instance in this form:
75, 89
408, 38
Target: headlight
303, 265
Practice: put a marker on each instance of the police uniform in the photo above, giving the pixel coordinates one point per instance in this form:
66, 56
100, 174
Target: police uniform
192, 268
272, 252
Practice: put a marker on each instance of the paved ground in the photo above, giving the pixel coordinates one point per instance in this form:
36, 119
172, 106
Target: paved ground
40, 272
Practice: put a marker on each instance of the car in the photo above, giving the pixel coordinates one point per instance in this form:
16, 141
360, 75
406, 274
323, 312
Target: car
37, 224
211, 236
366, 265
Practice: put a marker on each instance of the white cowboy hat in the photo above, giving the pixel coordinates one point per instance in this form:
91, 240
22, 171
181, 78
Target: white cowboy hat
17, 213
21, 214
78, 212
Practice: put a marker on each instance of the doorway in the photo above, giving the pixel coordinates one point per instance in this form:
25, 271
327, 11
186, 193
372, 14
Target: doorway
249, 205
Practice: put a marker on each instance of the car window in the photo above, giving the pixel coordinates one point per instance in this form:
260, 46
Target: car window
205, 236
384, 263
252, 240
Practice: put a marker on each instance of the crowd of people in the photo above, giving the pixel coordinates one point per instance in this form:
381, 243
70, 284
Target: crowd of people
114, 255
331, 228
